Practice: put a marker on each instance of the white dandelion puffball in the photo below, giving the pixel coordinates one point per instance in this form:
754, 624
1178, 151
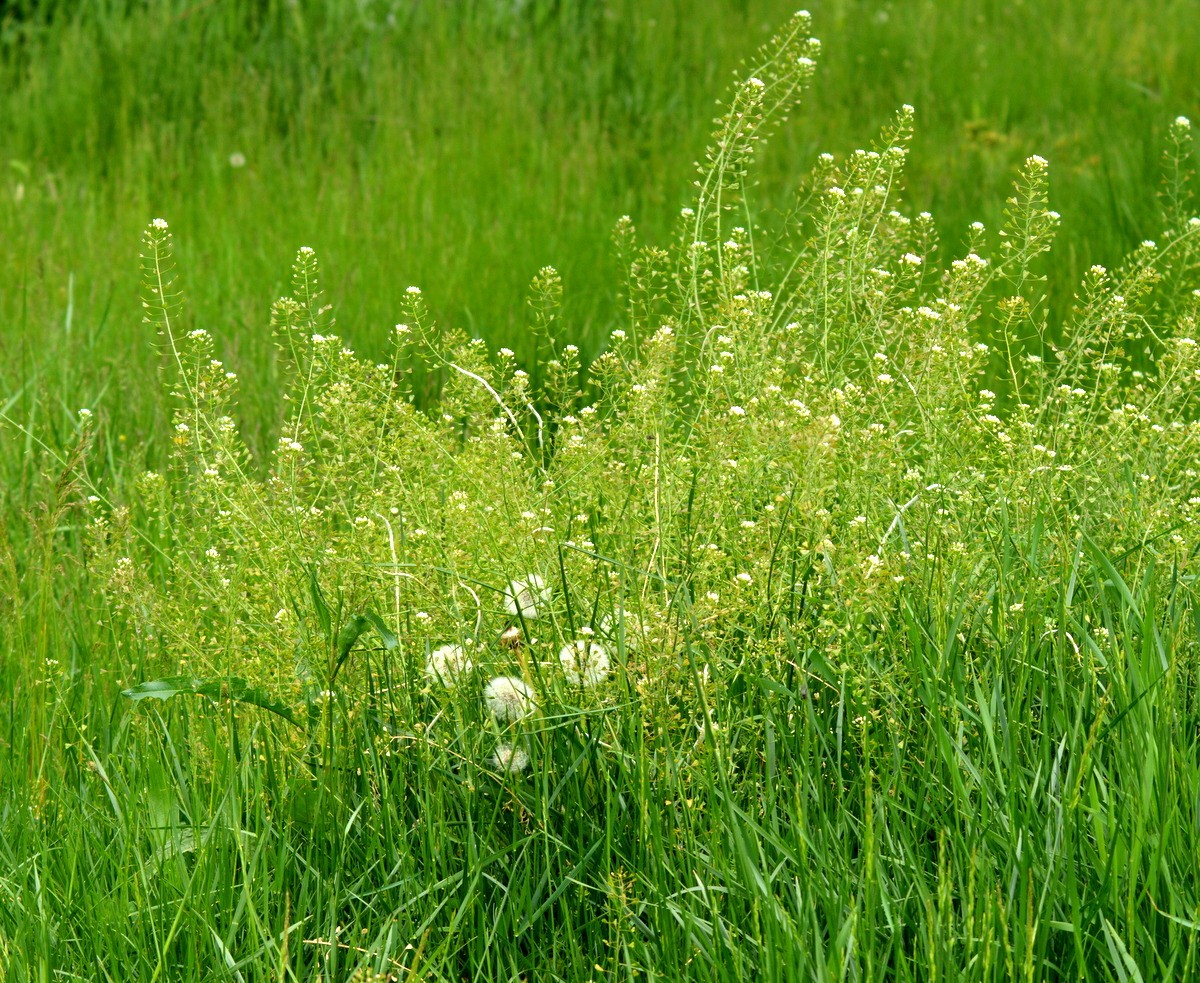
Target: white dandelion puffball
584, 662
510, 760
447, 664
508, 699
523, 596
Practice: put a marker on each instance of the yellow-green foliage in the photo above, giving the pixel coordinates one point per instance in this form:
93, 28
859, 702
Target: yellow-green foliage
798, 437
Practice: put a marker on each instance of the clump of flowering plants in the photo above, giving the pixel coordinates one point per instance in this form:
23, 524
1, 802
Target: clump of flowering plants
810, 471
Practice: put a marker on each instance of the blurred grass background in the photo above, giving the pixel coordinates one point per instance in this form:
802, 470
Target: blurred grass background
461, 146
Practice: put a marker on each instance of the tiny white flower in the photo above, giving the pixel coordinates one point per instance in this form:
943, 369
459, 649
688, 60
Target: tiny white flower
508, 698
447, 664
584, 662
523, 596
237, 159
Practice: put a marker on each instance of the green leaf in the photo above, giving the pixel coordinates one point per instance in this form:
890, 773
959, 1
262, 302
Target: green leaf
390, 641
217, 688
349, 633
1114, 578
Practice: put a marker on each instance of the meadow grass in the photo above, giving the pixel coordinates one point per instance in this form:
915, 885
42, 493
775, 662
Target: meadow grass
460, 149
888, 549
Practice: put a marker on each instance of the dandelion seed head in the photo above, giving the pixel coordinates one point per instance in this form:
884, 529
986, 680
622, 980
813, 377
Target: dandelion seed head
447, 664
508, 699
584, 662
510, 760
523, 597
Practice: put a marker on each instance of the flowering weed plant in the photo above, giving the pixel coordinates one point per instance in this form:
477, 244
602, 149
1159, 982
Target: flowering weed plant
836, 619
